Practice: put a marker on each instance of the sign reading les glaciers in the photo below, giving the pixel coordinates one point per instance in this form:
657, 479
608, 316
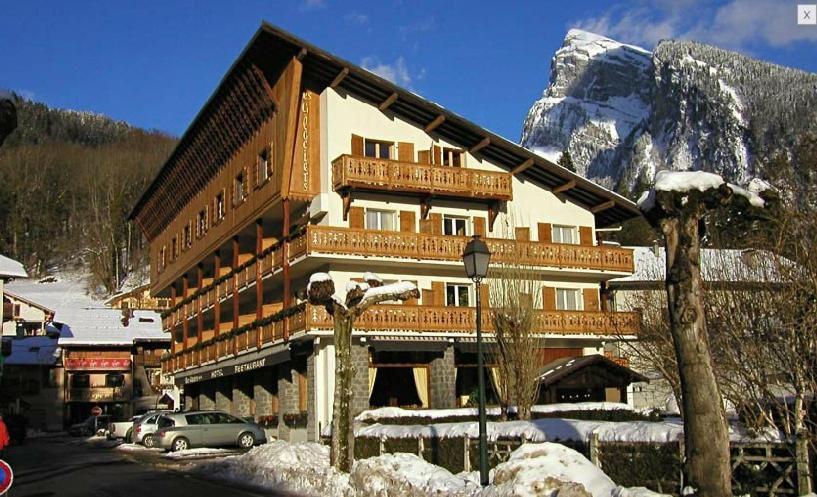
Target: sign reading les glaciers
243, 367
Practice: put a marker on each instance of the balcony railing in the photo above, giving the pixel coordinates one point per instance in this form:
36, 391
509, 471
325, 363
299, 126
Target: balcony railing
97, 394
369, 173
421, 246
406, 318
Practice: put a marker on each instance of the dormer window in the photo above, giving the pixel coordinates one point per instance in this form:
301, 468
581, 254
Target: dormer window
201, 223
264, 166
239, 188
219, 206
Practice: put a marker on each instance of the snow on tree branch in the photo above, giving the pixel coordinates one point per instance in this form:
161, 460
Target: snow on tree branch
402, 290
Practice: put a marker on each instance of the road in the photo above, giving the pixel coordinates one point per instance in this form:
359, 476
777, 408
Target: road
66, 467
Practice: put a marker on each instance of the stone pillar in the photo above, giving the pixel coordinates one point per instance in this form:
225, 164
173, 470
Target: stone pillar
360, 381
223, 394
264, 388
241, 395
188, 398
311, 409
207, 395
443, 380
287, 397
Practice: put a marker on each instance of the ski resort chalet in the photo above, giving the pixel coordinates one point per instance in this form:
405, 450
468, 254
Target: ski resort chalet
301, 162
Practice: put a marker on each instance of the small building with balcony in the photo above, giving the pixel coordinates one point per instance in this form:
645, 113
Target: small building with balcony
301, 162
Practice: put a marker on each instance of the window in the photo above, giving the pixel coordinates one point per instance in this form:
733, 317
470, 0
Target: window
114, 380
452, 157
455, 226
165, 422
198, 419
162, 257
381, 220
565, 234
264, 166
379, 149
174, 248
457, 295
239, 192
568, 299
219, 210
80, 381
187, 237
201, 223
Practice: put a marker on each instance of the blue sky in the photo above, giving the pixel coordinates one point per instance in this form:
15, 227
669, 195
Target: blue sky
153, 64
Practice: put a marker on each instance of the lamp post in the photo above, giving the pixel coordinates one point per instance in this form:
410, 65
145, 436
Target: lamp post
476, 257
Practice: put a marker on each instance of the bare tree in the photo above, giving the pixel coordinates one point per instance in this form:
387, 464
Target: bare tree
359, 297
676, 207
517, 352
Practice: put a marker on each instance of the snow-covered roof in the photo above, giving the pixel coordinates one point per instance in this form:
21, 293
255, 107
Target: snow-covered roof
717, 265
13, 296
9, 268
33, 351
85, 320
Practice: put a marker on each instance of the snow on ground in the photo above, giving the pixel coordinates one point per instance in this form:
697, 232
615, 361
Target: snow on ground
295, 467
137, 448
546, 469
197, 453
553, 429
406, 475
397, 412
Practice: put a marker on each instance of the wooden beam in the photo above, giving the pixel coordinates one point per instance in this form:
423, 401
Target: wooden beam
387, 103
301, 54
521, 167
603, 206
479, 146
436, 122
565, 186
340, 77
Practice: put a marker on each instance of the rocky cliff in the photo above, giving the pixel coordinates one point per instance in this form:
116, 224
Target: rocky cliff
624, 112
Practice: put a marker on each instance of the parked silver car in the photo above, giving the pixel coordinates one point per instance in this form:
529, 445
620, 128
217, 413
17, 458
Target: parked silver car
144, 428
181, 431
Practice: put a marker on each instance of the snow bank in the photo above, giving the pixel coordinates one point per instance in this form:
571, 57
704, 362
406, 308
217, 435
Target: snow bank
196, 453
406, 475
294, 467
548, 469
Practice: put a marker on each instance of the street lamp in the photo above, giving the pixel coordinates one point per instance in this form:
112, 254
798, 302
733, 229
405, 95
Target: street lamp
476, 257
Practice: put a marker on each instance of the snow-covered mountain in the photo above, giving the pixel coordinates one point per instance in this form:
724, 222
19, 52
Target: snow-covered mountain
624, 112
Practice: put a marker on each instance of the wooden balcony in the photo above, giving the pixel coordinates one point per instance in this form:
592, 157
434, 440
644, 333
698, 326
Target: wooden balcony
397, 319
369, 173
421, 246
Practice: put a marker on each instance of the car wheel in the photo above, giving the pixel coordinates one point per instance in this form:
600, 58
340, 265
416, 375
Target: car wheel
148, 441
129, 436
180, 443
246, 440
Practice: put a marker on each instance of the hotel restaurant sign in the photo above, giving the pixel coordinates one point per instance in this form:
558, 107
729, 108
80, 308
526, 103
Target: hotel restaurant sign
225, 371
96, 364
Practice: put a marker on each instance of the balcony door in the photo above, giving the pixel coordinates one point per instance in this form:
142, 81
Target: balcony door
381, 220
457, 295
455, 225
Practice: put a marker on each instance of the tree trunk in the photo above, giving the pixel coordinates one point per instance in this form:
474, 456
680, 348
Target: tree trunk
343, 437
801, 444
707, 464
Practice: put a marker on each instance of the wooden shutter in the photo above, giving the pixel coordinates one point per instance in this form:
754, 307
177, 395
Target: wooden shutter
426, 226
428, 297
405, 152
423, 157
485, 295
585, 235
479, 226
356, 219
591, 299
436, 224
438, 288
546, 232
407, 222
522, 234
357, 145
438, 155
548, 298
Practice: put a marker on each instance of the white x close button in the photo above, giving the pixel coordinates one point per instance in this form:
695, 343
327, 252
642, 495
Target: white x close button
807, 14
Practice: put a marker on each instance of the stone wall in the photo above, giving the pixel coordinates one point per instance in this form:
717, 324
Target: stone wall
287, 397
360, 381
242, 394
224, 393
207, 395
264, 389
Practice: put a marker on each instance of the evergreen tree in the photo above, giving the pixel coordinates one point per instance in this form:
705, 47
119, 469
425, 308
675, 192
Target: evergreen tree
566, 161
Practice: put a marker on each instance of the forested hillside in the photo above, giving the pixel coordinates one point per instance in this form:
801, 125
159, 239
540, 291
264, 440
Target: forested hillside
67, 182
